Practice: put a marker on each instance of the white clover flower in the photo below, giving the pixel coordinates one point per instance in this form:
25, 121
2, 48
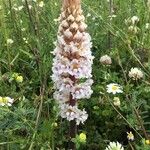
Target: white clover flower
6, 101
133, 29
135, 74
41, 4
114, 146
10, 41
1, 101
130, 136
55, 4
20, 8
30, 6
88, 15
134, 20
23, 29
106, 60
25, 40
114, 88
116, 101
147, 25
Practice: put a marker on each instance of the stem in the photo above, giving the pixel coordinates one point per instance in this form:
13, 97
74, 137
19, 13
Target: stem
42, 92
132, 148
72, 127
110, 22
124, 118
32, 26
140, 122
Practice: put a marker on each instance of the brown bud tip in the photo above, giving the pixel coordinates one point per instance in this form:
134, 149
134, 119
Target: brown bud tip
70, 3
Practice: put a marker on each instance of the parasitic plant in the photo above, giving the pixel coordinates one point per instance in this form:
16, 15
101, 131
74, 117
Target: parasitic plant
72, 64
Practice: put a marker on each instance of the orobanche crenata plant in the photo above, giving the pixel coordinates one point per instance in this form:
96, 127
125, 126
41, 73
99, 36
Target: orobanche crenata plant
72, 64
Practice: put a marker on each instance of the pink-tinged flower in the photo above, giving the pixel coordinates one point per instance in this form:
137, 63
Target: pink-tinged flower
72, 62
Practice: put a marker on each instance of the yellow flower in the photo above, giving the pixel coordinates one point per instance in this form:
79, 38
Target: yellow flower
147, 142
54, 124
19, 79
82, 137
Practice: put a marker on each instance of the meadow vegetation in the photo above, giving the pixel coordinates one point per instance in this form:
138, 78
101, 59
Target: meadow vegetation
119, 107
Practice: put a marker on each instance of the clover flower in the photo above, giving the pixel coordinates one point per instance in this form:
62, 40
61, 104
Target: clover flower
116, 101
134, 20
82, 137
41, 4
114, 88
19, 79
10, 41
72, 63
6, 101
106, 60
114, 146
147, 142
135, 74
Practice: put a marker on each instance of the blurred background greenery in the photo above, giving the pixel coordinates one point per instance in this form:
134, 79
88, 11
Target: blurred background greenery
28, 30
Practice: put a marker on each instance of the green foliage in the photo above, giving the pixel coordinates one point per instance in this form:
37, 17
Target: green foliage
32, 121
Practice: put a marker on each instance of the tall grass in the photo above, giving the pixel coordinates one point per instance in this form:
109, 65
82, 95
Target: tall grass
30, 123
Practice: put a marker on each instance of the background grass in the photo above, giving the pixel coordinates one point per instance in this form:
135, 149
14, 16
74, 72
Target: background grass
31, 121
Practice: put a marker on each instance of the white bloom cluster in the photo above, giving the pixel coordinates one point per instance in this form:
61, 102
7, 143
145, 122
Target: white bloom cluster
73, 60
114, 146
135, 74
106, 60
134, 20
73, 113
6, 101
10, 41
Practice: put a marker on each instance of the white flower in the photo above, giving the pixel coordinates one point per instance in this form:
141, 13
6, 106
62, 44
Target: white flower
147, 25
20, 8
133, 29
10, 41
130, 136
30, 6
73, 113
72, 64
25, 40
23, 29
134, 20
114, 88
6, 101
41, 4
82, 116
106, 60
135, 74
114, 146
116, 101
